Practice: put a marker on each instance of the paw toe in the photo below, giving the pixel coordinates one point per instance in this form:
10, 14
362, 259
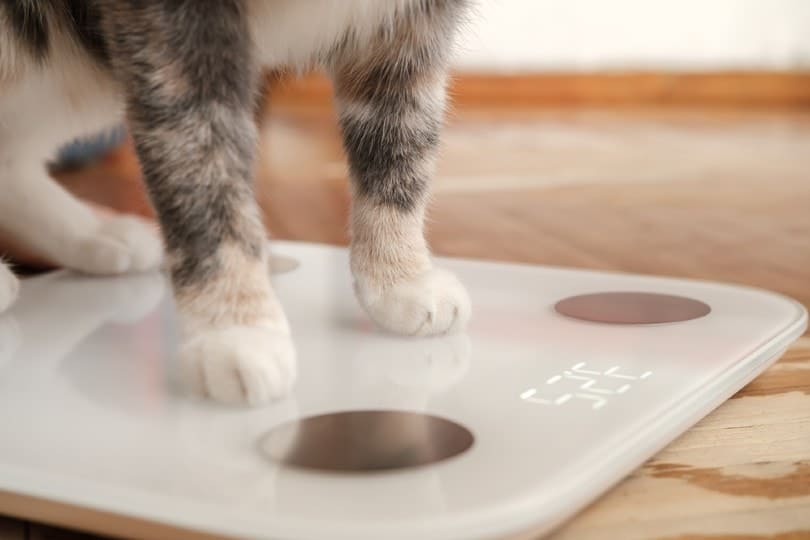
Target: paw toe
141, 240
121, 244
432, 303
103, 256
239, 365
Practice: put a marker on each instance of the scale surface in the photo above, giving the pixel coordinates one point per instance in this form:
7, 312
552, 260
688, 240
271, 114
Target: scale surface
539, 411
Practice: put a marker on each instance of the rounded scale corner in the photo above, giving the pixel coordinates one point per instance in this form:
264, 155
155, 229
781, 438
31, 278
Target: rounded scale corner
798, 317
800, 314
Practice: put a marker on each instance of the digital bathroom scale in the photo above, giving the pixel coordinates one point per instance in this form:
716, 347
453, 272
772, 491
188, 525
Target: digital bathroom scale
565, 381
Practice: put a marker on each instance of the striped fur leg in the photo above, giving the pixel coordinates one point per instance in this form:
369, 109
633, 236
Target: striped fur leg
391, 103
191, 87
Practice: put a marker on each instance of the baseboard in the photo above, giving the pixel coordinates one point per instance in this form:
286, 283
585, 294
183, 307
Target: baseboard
729, 89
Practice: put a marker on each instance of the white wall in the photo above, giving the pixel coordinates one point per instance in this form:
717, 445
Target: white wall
583, 35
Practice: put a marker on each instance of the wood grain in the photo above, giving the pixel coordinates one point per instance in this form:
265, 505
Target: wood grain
710, 194
725, 89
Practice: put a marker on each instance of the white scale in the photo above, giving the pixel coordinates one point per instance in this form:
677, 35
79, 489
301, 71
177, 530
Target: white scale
515, 425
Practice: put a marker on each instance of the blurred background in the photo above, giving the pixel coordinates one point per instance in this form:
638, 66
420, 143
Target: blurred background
588, 35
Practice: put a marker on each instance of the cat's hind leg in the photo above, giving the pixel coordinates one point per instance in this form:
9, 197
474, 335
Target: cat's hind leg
390, 95
51, 222
49, 104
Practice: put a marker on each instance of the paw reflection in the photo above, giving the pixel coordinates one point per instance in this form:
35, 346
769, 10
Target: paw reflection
57, 312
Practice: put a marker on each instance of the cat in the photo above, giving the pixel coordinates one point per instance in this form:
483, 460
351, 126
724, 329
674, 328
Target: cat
184, 74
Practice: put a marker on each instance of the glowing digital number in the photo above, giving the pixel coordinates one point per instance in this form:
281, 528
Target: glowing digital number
587, 389
530, 396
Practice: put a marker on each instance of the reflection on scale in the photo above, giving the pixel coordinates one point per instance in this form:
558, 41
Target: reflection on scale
102, 348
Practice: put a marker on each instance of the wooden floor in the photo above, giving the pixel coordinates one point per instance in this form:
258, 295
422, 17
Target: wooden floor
713, 194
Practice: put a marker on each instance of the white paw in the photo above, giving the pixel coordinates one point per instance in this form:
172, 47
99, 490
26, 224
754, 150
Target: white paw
121, 244
239, 365
9, 287
432, 303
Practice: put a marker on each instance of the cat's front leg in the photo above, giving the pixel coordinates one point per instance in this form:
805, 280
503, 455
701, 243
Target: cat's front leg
390, 95
190, 83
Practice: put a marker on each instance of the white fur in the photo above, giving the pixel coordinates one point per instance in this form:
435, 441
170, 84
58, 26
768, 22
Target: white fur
9, 287
120, 244
239, 365
291, 32
42, 108
55, 224
432, 303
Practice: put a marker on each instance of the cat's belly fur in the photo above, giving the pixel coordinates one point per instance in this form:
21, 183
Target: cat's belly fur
293, 32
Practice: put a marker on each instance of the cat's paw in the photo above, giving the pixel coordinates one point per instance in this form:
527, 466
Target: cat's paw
241, 365
432, 303
9, 287
120, 244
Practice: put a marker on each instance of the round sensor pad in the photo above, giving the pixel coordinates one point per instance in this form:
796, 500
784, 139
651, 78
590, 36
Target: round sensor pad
631, 308
365, 441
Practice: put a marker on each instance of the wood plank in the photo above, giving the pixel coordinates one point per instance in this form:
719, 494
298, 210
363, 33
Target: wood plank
727, 89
